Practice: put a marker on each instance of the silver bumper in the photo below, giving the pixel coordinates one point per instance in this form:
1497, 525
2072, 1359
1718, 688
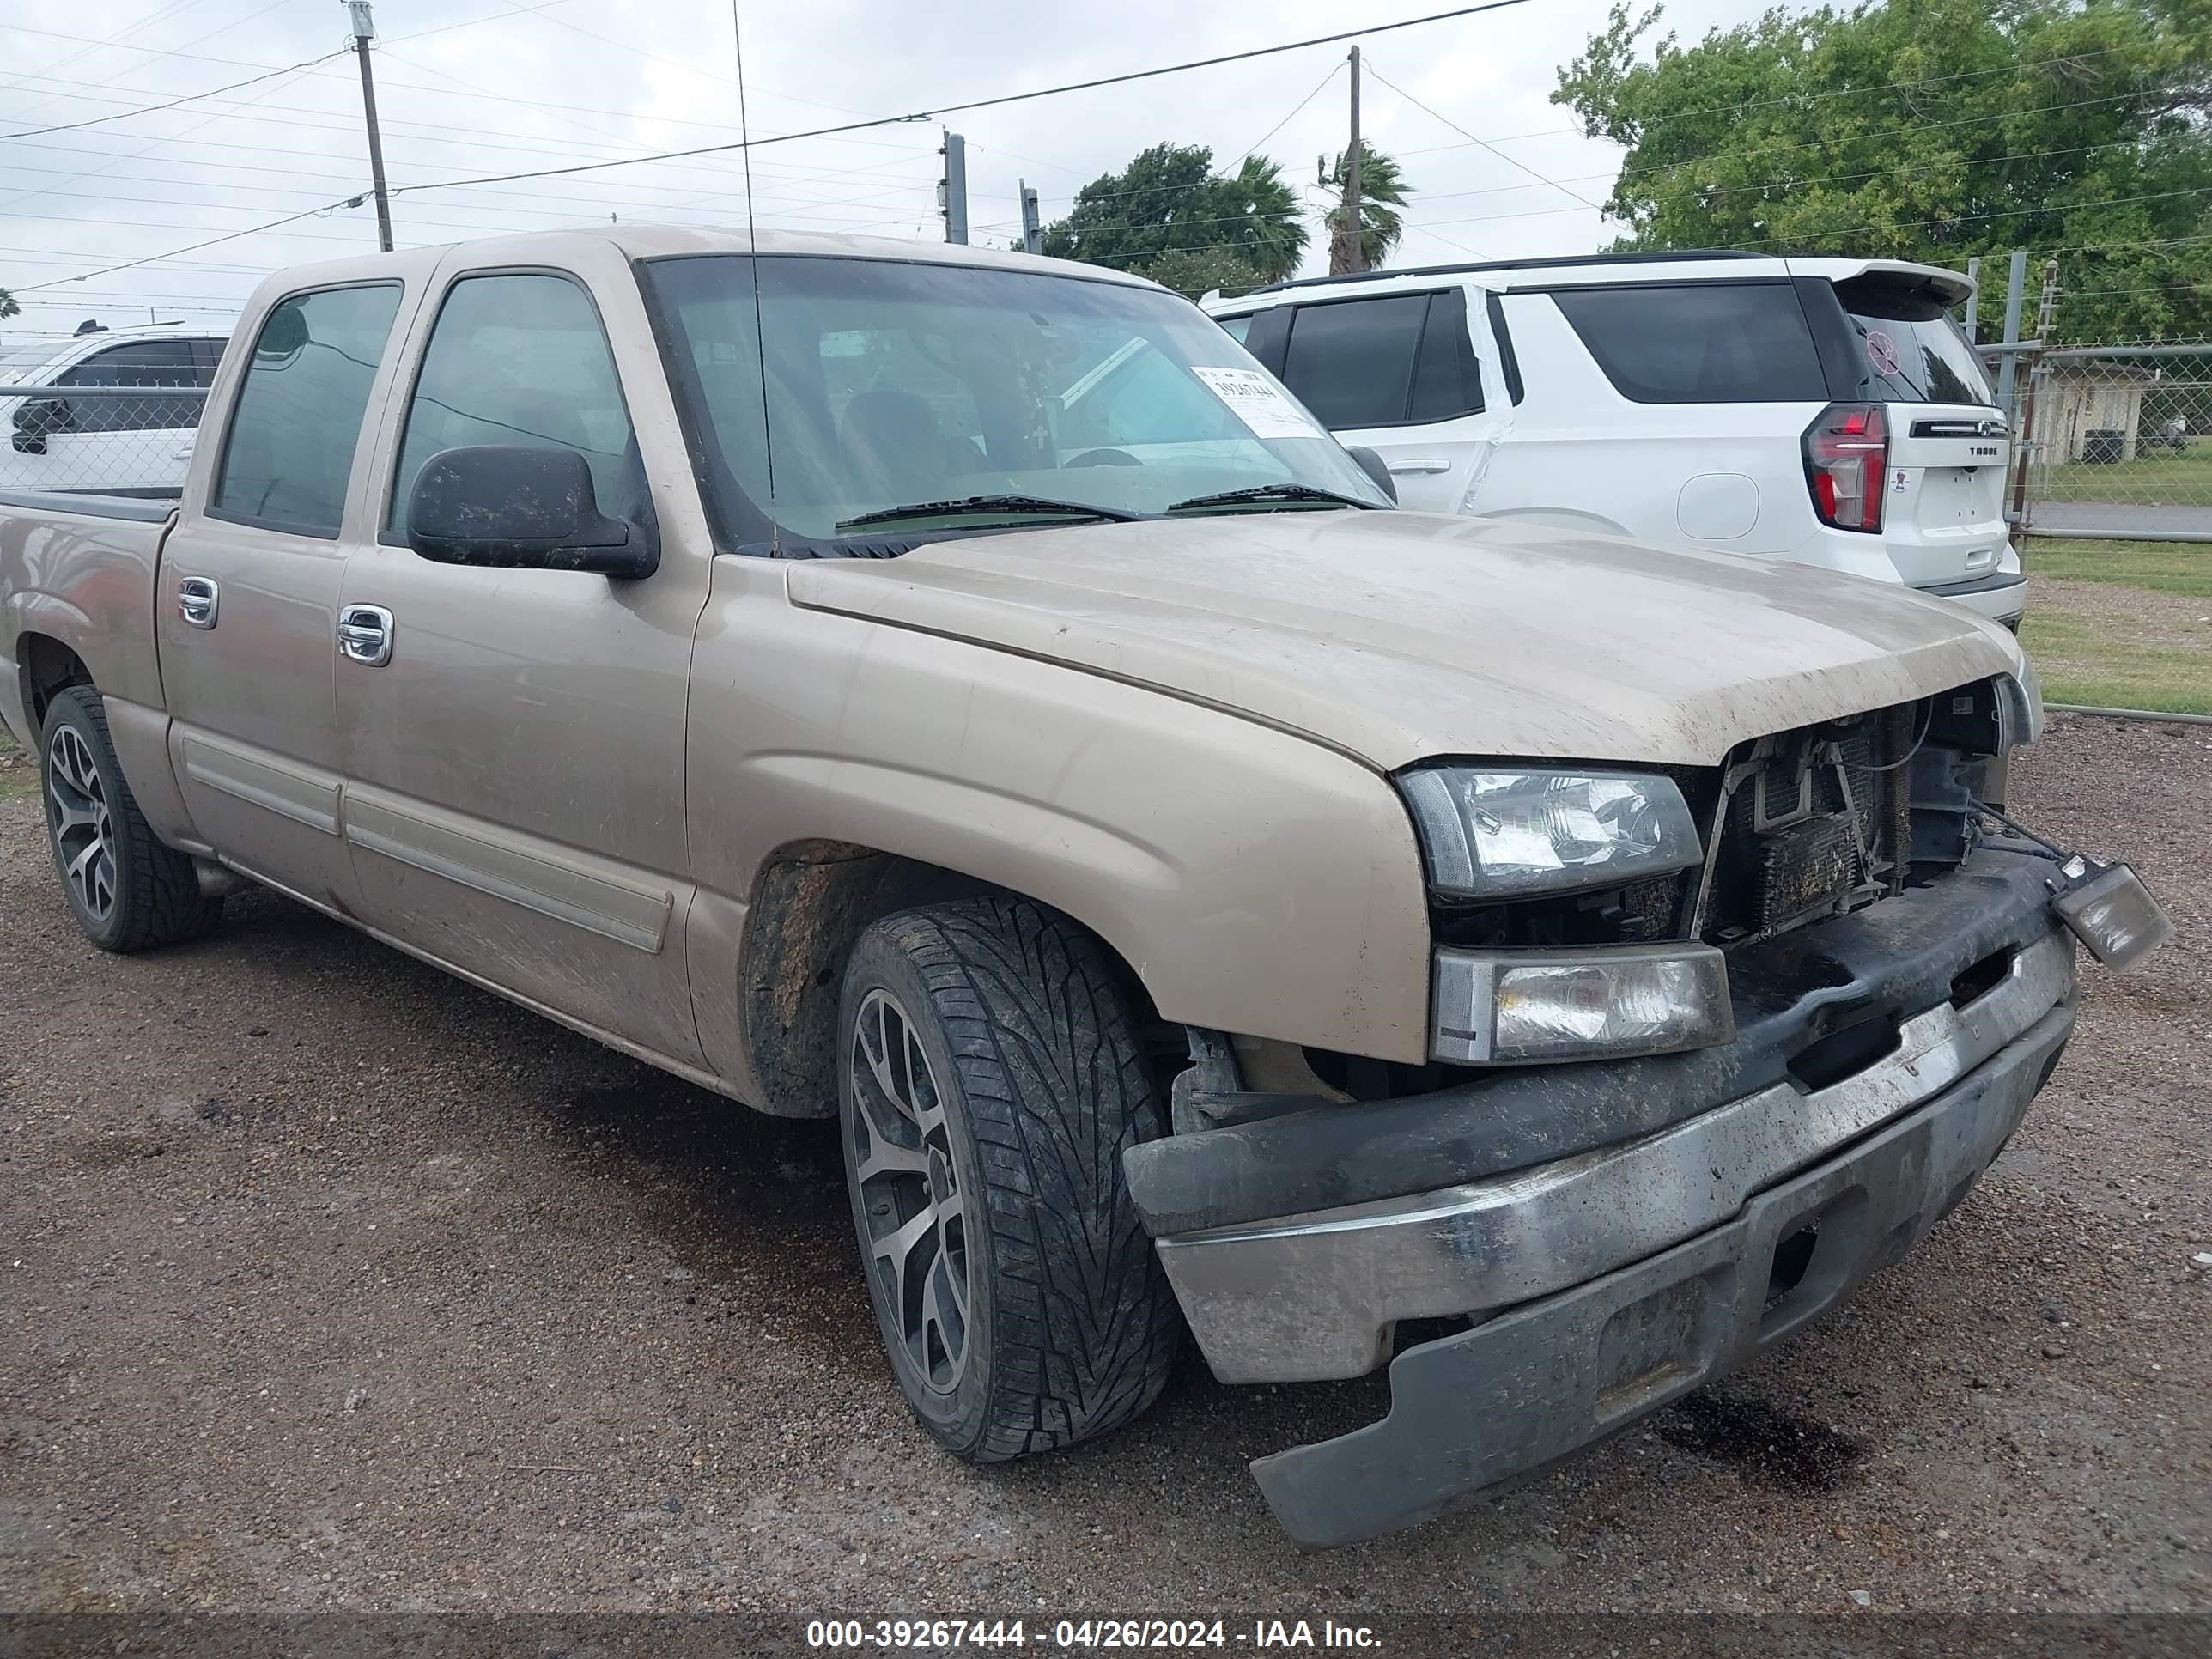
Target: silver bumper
1315, 1296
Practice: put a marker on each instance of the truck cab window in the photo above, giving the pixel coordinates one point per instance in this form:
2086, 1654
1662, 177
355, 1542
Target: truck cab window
517, 359
153, 364
290, 450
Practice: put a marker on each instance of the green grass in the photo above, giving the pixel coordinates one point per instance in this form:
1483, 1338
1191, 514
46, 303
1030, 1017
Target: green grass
2085, 661
2162, 477
2162, 567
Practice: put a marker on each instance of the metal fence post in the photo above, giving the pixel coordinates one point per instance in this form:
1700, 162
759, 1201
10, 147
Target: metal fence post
2016, 285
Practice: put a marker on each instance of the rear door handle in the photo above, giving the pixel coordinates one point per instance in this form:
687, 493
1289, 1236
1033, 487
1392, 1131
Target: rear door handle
365, 635
197, 600
1417, 464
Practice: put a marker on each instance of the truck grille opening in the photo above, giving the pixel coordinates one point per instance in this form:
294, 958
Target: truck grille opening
1810, 827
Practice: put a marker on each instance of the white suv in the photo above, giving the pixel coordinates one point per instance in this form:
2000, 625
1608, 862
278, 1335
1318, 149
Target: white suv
1826, 411
106, 443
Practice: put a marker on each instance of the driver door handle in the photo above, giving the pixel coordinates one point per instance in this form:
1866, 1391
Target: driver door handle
1417, 464
365, 635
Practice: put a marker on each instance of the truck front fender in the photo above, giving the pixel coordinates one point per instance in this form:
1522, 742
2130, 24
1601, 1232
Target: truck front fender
1253, 880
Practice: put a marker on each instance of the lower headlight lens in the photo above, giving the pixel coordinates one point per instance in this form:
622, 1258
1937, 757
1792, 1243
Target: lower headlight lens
1507, 1007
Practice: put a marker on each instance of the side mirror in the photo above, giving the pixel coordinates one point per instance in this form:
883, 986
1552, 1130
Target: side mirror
513, 507
34, 419
1371, 464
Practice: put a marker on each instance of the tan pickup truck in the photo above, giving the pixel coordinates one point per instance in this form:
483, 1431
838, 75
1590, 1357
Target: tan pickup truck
963, 695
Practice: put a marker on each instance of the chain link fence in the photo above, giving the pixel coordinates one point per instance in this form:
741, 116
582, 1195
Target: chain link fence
132, 441
2116, 442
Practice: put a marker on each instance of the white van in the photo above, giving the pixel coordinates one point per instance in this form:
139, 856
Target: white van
1826, 411
106, 443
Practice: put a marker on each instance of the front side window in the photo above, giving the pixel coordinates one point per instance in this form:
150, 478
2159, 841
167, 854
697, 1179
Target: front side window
150, 364
1351, 361
1699, 343
874, 388
290, 450
518, 359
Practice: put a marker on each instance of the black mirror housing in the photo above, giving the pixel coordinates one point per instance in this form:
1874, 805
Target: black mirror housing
36, 418
514, 507
1372, 466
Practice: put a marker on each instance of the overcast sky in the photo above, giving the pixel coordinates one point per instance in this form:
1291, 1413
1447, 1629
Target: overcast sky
468, 88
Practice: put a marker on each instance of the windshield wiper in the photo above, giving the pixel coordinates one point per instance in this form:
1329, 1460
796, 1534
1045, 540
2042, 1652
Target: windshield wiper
1272, 492
969, 504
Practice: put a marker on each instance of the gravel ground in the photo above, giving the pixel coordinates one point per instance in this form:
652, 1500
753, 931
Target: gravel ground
330, 1284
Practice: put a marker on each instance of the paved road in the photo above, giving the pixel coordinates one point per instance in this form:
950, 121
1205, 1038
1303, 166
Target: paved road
330, 1284
2121, 522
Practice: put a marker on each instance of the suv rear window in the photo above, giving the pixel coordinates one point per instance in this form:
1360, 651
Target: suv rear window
1699, 343
1909, 350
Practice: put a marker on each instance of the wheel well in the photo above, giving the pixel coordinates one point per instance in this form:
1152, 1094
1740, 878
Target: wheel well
812, 903
47, 668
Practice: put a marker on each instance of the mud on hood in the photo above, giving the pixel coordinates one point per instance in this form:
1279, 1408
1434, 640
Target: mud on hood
1400, 636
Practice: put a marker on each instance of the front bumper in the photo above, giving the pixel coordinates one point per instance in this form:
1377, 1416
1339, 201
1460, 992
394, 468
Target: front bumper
1531, 1386
1612, 1229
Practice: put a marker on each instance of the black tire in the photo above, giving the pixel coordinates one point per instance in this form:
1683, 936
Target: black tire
1069, 1325
152, 893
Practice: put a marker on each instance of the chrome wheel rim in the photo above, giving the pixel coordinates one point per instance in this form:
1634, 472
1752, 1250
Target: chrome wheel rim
82, 827
913, 1215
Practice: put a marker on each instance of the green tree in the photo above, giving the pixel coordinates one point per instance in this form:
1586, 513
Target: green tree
1930, 130
8, 306
1274, 235
1195, 273
1382, 192
1170, 200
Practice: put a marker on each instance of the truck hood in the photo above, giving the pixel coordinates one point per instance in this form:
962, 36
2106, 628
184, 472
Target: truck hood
1399, 637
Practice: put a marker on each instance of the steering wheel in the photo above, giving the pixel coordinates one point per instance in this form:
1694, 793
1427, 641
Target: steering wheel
1105, 458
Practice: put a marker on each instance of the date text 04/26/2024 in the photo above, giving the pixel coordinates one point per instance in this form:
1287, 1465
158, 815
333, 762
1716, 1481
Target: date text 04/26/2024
1146, 1634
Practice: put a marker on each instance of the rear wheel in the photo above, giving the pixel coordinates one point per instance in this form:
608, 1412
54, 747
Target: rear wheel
128, 891
989, 1078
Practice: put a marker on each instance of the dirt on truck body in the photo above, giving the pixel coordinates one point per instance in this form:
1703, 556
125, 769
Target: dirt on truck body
964, 696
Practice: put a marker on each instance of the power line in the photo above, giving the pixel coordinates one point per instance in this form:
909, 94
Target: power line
188, 98
938, 111
1485, 143
154, 258
1252, 149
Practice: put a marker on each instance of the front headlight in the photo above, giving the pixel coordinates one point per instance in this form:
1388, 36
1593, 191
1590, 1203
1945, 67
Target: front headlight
1502, 835
1504, 1007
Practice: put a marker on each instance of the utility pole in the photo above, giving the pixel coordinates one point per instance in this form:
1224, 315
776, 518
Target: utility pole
1032, 229
364, 30
952, 188
1355, 258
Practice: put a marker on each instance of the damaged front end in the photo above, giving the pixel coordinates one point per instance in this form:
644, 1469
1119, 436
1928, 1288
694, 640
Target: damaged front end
1708, 1048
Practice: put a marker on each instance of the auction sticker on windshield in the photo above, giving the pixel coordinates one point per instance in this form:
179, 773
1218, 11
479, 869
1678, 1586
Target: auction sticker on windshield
1258, 402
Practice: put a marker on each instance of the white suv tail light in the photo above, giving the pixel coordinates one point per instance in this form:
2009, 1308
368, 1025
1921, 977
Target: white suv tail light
1846, 458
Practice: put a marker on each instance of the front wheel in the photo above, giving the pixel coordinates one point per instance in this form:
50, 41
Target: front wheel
127, 890
989, 1078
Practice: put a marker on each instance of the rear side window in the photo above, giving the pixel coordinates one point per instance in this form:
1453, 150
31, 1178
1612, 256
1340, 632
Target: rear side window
290, 450
518, 358
1383, 361
1699, 343
1908, 349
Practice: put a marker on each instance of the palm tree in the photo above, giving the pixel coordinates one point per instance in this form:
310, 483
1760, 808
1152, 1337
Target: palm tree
1275, 232
1381, 193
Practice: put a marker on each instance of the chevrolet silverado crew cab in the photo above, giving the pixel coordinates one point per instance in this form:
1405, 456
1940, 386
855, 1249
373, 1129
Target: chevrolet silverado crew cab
1826, 411
962, 695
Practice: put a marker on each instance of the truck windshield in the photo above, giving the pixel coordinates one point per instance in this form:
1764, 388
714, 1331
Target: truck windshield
912, 398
